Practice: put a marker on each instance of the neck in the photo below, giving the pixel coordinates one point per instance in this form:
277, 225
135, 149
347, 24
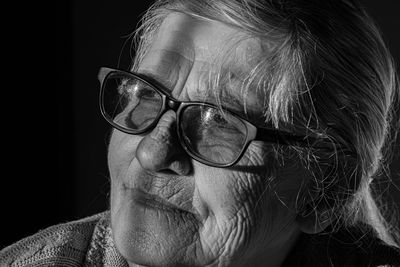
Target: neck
273, 256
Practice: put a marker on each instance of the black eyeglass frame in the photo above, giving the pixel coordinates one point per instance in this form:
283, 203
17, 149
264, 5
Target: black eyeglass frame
253, 133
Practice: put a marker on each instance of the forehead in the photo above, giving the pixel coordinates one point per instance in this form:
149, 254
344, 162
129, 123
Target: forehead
191, 56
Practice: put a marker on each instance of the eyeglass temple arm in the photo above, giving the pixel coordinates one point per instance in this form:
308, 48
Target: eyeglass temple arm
285, 138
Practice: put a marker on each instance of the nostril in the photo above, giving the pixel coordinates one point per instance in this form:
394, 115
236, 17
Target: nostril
168, 171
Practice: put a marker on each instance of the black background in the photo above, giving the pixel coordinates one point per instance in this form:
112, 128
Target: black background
54, 138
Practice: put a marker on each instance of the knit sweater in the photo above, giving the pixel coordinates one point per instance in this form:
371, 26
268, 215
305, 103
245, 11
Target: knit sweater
88, 242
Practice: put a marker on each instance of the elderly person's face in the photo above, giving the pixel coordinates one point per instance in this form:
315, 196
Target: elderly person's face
168, 209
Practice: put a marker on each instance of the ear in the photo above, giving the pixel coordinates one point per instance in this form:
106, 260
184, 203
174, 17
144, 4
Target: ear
315, 221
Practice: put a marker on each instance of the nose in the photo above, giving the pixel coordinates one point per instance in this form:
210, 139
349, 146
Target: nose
160, 150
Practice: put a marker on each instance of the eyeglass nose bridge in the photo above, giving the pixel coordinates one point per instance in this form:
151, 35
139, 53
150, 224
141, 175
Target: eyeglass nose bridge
173, 104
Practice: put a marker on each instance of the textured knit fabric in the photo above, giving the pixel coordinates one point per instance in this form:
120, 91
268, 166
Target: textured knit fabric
88, 242
85, 242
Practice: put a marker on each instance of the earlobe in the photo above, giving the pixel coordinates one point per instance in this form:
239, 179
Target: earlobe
314, 222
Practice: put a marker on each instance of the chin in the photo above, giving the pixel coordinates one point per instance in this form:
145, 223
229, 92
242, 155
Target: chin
152, 237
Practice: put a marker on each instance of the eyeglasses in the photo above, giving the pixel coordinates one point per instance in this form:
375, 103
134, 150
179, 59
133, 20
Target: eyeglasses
209, 134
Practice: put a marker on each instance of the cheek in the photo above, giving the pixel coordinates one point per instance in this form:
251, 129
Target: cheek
242, 187
121, 152
243, 211
283, 175
262, 190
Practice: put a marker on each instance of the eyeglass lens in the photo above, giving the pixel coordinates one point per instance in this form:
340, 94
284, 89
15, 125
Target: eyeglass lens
131, 103
212, 134
207, 131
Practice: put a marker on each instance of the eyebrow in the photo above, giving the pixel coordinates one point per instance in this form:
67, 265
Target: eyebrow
229, 95
158, 80
167, 71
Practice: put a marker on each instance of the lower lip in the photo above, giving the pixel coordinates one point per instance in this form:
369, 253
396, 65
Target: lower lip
145, 200
140, 199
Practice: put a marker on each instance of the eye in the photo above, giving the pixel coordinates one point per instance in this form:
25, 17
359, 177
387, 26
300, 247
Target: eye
220, 119
217, 121
212, 116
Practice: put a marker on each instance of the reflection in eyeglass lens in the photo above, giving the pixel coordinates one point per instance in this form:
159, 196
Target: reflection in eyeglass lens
138, 103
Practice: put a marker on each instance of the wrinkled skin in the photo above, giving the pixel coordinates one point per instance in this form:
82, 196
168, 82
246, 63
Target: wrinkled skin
239, 216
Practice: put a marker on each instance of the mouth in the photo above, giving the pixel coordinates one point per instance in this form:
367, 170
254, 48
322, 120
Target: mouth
154, 202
